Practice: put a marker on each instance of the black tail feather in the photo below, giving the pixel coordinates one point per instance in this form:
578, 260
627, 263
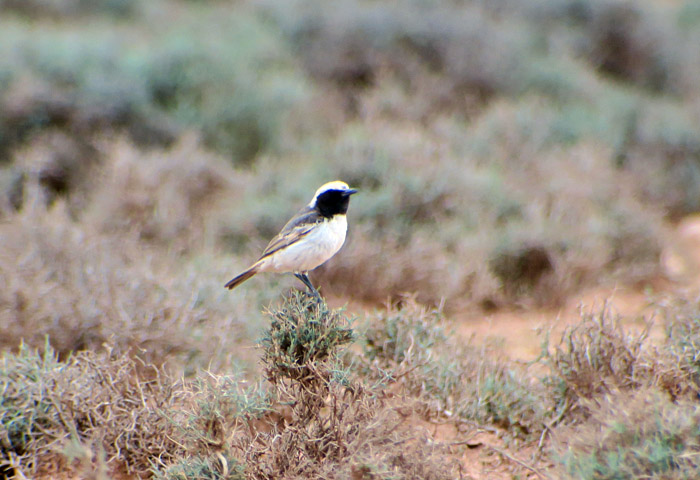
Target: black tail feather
241, 278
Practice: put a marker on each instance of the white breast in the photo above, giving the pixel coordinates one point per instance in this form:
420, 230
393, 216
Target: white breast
316, 248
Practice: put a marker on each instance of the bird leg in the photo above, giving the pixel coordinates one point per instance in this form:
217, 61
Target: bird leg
305, 280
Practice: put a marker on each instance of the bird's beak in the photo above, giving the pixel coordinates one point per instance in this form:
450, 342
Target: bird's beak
349, 191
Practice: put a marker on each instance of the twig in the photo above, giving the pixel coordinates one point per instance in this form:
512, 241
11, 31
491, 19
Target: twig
518, 461
468, 443
548, 427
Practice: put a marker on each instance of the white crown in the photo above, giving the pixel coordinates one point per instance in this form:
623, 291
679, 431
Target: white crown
335, 185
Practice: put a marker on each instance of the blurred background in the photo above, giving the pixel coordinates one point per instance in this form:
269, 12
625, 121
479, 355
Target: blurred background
508, 154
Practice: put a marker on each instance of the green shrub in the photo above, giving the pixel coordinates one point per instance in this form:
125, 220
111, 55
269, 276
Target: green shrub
467, 56
303, 332
633, 42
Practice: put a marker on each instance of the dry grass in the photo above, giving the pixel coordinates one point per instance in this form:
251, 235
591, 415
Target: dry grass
98, 402
598, 357
83, 287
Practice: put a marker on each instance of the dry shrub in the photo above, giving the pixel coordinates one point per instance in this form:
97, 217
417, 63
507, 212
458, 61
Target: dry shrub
164, 197
98, 401
34, 105
322, 422
208, 422
373, 270
444, 58
409, 346
82, 288
663, 152
597, 357
634, 43
63, 166
681, 351
300, 362
522, 222
215, 467
633, 436
336, 428
527, 271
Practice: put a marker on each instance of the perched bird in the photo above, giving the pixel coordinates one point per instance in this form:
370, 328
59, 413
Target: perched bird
309, 239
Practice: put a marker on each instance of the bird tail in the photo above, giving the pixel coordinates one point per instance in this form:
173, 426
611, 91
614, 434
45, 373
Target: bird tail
242, 277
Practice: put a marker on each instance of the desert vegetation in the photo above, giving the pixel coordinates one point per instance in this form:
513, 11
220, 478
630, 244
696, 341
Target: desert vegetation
510, 157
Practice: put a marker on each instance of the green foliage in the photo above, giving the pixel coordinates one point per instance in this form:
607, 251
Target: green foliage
303, 331
25, 410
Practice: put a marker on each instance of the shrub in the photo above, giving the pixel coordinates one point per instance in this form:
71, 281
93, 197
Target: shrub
594, 358
598, 357
215, 409
98, 400
163, 197
216, 467
636, 43
628, 41
437, 54
99, 288
682, 343
634, 436
334, 426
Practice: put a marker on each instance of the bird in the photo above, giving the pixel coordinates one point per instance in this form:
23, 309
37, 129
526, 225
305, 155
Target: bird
309, 238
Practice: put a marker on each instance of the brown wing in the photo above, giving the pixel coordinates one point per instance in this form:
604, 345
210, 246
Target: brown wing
296, 229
